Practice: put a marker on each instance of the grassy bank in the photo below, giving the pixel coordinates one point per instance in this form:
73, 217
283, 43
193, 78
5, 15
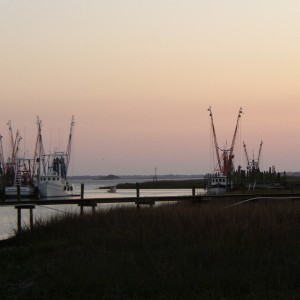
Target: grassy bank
165, 184
200, 251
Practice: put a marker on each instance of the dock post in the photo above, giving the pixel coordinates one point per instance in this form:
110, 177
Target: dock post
87, 203
18, 193
82, 191
31, 218
137, 195
137, 190
19, 219
81, 210
19, 215
194, 191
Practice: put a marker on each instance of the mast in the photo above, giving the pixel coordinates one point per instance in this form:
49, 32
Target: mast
11, 138
14, 143
235, 131
228, 158
12, 166
253, 164
2, 170
247, 157
15, 150
215, 140
69, 147
225, 165
38, 164
259, 154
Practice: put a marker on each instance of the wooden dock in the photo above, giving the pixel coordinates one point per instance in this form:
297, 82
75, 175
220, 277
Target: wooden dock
79, 201
230, 199
150, 199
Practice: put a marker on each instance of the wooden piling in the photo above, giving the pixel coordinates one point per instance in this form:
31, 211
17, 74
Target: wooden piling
137, 190
82, 191
18, 193
31, 218
87, 203
194, 191
19, 219
19, 215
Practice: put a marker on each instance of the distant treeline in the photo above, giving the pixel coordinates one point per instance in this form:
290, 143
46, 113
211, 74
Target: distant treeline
164, 184
112, 177
94, 177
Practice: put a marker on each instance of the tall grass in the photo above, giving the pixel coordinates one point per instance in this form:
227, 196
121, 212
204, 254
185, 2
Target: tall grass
181, 251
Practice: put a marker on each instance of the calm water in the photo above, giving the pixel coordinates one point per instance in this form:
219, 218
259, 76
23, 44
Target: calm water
8, 215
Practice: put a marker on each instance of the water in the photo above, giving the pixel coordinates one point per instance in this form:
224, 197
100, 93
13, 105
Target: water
8, 215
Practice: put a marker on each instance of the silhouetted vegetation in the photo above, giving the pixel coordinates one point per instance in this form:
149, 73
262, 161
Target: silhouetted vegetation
203, 251
165, 184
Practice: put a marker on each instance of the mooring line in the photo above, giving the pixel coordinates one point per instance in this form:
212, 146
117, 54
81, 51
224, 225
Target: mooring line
256, 198
242, 202
58, 210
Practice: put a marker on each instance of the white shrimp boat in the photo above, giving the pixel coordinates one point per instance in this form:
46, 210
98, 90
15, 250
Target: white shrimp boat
52, 179
52, 186
217, 184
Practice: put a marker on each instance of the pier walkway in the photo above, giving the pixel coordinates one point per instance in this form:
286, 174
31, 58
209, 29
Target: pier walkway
230, 199
151, 200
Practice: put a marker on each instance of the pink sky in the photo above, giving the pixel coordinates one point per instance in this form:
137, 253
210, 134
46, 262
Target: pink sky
139, 76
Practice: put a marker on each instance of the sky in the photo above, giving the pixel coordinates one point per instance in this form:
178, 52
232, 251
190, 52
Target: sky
139, 76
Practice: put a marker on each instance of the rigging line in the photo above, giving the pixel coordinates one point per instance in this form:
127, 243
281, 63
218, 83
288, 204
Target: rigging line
262, 160
58, 210
211, 151
72, 158
240, 143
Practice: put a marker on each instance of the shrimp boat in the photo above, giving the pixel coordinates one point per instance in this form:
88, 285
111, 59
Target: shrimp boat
54, 183
218, 182
52, 169
23, 180
17, 172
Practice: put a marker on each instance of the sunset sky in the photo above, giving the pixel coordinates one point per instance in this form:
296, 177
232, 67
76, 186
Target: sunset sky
139, 76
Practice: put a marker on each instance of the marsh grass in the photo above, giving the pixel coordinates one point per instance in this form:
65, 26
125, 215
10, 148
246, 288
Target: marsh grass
203, 251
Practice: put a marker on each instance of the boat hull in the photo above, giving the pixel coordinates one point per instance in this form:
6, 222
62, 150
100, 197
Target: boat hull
49, 189
25, 191
217, 184
216, 190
